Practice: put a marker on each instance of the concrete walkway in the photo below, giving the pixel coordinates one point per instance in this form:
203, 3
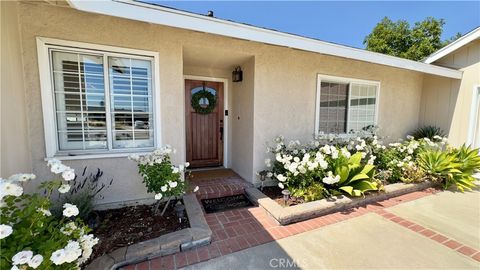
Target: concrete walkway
440, 231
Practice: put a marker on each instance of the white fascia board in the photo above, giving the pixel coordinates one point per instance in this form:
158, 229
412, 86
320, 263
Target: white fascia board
158, 15
457, 44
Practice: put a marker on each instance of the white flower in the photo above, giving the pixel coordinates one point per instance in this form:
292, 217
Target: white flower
5, 230
45, 212
134, 157
57, 168
35, 261
158, 196
371, 160
281, 178
22, 177
52, 161
68, 228
87, 242
58, 257
173, 184
64, 188
22, 257
72, 251
8, 188
269, 175
280, 185
164, 188
345, 152
330, 179
175, 169
268, 163
70, 210
195, 189
14, 268
68, 174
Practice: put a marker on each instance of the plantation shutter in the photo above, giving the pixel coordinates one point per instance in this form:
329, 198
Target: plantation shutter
79, 90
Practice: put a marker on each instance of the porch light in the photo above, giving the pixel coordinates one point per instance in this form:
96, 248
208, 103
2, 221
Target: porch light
237, 74
286, 195
179, 210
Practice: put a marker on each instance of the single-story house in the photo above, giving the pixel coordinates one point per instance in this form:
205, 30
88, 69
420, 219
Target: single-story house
90, 82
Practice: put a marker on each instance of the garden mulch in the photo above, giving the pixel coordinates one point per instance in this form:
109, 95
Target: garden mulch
128, 225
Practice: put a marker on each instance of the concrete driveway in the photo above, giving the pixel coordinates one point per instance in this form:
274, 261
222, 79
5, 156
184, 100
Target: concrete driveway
372, 241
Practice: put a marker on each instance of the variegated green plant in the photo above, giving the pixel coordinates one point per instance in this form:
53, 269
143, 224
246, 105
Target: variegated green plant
355, 177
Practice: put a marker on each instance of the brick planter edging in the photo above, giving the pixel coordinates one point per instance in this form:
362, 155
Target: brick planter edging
300, 212
199, 234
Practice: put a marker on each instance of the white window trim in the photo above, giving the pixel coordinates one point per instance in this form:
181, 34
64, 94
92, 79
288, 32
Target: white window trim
330, 78
48, 105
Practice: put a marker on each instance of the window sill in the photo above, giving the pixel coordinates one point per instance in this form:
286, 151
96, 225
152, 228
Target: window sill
95, 156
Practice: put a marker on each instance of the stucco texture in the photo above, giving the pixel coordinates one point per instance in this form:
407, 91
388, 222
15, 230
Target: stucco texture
276, 97
447, 103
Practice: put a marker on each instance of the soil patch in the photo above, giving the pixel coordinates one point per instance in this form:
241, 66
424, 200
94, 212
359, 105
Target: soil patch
275, 193
128, 225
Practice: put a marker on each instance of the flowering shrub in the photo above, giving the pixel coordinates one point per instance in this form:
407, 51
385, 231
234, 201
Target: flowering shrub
160, 175
350, 164
314, 171
30, 237
398, 161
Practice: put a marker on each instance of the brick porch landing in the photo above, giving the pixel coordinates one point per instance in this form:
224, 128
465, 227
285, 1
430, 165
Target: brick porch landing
217, 183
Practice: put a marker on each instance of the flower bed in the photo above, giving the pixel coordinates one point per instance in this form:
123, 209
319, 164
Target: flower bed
339, 171
128, 225
331, 166
299, 212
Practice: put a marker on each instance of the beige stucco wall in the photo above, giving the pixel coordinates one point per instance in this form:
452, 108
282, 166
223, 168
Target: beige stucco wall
276, 97
447, 103
242, 119
14, 146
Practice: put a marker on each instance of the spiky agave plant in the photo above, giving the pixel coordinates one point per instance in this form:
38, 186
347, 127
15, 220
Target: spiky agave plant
447, 168
428, 132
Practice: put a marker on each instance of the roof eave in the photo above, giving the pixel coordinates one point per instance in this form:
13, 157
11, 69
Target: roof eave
457, 44
158, 15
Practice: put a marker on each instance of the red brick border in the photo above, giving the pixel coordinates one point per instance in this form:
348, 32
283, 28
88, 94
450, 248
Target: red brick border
435, 236
238, 229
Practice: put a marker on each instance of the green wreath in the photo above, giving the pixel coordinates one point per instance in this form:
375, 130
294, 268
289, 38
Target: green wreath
212, 101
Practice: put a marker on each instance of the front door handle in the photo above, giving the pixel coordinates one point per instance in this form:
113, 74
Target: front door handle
221, 133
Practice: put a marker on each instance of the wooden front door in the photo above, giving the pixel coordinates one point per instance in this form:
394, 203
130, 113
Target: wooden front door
204, 130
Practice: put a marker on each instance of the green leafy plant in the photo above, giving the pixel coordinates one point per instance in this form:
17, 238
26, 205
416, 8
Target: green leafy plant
468, 158
161, 176
446, 168
85, 189
355, 177
30, 236
431, 132
314, 192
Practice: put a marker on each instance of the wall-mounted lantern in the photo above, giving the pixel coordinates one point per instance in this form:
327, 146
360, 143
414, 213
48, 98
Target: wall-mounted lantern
237, 74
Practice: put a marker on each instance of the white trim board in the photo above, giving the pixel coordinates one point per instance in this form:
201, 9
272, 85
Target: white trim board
225, 117
144, 12
473, 121
47, 96
457, 44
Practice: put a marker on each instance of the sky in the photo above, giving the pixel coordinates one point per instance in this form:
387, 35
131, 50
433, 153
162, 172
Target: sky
342, 22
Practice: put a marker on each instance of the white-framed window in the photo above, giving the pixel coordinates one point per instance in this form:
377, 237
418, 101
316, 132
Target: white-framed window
345, 105
98, 99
